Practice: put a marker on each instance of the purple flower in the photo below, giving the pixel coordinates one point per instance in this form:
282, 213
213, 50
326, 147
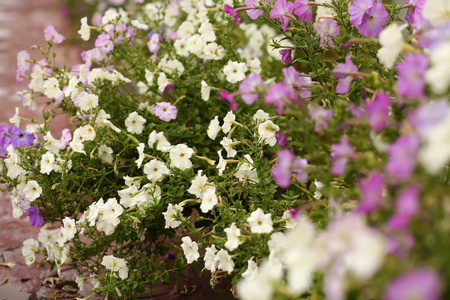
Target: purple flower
344, 72
402, 156
23, 202
303, 9
66, 137
417, 284
5, 135
231, 11
104, 43
320, 116
52, 35
300, 168
378, 111
293, 78
250, 88
427, 116
283, 11
229, 98
357, 10
279, 95
282, 170
21, 138
340, 155
36, 219
286, 55
373, 20
406, 206
165, 111
326, 28
411, 76
153, 44
281, 139
371, 193
254, 13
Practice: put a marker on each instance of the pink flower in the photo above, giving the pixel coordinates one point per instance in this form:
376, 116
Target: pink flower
165, 111
229, 98
286, 55
419, 284
283, 168
371, 193
52, 35
254, 13
403, 156
229, 10
283, 11
104, 43
378, 111
279, 95
320, 115
326, 28
343, 72
373, 20
250, 88
303, 9
340, 155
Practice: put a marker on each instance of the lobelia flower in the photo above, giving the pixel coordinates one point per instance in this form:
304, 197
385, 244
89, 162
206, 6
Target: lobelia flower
260, 222
250, 88
326, 28
406, 206
36, 219
344, 72
279, 95
52, 35
378, 111
371, 193
190, 249
320, 116
411, 76
283, 11
286, 55
282, 170
417, 284
229, 10
21, 138
403, 156
340, 155
165, 111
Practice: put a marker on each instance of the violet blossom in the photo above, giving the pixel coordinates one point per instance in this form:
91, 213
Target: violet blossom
340, 156
406, 206
303, 9
373, 20
104, 43
250, 88
344, 72
229, 98
281, 139
66, 137
279, 95
411, 76
165, 111
283, 11
320, 116
403, 156
418, 284
371, 193
36, 219
326, 28
300, 168
286, 55
282, 170
254, 13
229, 10
51, 35
21, 138
378, 111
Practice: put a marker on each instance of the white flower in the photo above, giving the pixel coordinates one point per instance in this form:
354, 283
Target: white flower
213, 128
32, 190
181, 47
207, 32
277, 244
435, 153
51, 88
436, 11
438, 76
233, 234
254, 65
85, 31
105, 153
149, 77
391, 41
252, 270
195, 44
109, 216
210, 258
139, 25
68, 230
161, 142
290, 221
88, 101
135, 123
180, 155
155, 169
319, 186
127, 196
162, 82
16, 118
246, 172
224, 261
170, 215
198, 184
228, 146
228, 121
88, 133
190, 249
51, 144
209, 200
260, 222
30, 247
267, 132
47, 163
222, 163
205, 91
115, 264
235, 71
186, 29
140, 150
